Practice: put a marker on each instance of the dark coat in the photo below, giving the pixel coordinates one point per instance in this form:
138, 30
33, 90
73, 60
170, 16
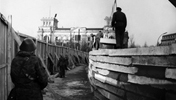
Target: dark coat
62, 65
119, 20
29, 86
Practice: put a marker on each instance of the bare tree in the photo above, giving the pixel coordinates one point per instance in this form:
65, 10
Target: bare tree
145, 44
131, 42
108, 20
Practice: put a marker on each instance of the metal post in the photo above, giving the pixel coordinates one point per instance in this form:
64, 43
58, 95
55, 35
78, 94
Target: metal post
159, 38
78, 39
70, 40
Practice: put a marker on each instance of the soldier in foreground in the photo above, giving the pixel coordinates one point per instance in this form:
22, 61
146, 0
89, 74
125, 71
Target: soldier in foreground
27, 73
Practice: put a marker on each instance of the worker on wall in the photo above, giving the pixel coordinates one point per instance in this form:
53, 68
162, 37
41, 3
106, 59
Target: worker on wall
119, 22
97, 40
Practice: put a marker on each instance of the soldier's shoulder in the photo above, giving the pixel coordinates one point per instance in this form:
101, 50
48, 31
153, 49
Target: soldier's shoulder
123, 13
35, 58
17, 59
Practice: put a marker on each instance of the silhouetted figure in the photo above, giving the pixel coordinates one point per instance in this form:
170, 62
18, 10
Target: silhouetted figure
62, 64
50, 64
92, 41
119, 22
27, 73
97, 40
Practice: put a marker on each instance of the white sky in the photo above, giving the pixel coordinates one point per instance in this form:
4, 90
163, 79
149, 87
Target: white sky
147, 19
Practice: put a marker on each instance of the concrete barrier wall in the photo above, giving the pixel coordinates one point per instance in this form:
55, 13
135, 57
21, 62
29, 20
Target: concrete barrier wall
133, 74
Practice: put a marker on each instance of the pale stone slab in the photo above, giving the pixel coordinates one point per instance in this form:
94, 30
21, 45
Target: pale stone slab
115, 60
157, 50
170, 73
118, 68
107, 41
162, 61
146, 80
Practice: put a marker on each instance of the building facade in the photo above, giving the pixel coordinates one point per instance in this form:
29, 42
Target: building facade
168, 39
49, 32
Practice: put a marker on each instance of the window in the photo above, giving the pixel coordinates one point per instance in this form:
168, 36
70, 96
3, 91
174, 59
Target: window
88, 39
77, 37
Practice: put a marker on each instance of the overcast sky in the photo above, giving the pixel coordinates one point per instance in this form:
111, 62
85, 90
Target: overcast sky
147, 19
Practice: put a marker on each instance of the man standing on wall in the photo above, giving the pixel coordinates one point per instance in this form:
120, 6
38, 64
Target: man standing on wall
97, 39
119, 22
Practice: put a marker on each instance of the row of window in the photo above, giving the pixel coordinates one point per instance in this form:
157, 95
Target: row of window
168, 42
169, 37
46, 23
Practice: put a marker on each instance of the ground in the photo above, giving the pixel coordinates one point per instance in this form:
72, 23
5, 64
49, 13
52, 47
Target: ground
74, 87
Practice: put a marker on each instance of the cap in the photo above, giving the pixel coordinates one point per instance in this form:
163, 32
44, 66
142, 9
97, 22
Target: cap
118, 8
27, 45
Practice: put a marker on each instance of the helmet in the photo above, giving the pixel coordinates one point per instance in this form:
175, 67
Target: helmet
27, 45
